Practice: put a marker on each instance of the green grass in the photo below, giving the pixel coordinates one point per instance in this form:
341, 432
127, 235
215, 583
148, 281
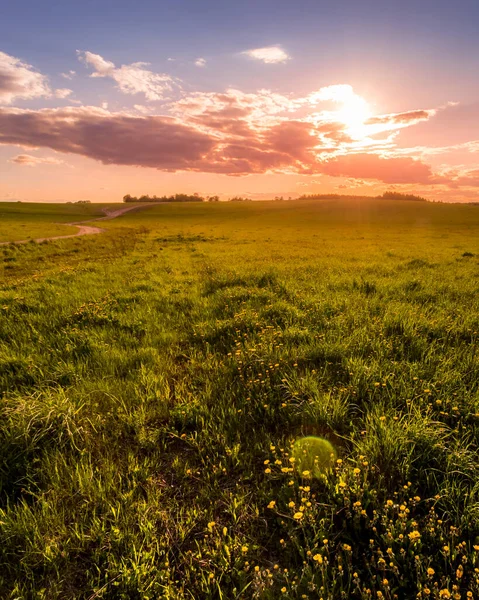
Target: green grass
20, 221
154, 379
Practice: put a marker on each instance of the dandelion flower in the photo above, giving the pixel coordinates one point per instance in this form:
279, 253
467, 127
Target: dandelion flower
272, 504
298, 516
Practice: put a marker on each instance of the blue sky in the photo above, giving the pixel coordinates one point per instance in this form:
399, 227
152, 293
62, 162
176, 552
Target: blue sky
399, 56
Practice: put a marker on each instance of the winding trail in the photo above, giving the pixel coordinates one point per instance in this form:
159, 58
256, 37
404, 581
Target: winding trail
83, 229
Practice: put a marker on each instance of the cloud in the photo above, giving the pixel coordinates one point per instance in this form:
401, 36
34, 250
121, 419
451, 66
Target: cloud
268, 55
235, 133
19, 80
32, 161
131, 79
69, 75
385, 169
404, 118
200, 62
63, 93
111, 138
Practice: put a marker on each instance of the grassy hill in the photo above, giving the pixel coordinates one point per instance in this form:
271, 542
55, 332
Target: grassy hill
155, 378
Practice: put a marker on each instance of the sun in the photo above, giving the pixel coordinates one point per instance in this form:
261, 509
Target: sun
354, 112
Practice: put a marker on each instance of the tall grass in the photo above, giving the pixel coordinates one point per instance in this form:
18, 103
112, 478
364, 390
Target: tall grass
154, 379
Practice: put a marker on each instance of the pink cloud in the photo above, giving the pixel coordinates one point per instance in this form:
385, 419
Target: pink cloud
158, 142
19, 80
389, 170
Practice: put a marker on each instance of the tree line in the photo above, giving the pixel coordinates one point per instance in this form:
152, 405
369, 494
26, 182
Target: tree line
385, 196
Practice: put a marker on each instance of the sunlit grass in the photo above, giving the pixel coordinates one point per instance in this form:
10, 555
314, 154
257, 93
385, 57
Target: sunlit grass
155, 379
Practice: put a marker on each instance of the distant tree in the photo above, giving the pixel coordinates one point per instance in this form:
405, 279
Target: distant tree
176, 198
398, 196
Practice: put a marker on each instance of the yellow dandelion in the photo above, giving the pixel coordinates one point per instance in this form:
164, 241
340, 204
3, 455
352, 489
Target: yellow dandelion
356, 471
283, 589
272, 504
318, 558
444, 593
298, 516
414, 536
430, 571
244, 549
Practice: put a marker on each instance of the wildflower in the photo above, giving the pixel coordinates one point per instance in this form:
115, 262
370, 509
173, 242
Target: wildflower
283, 589
256, 568
267, 471
211, 524
298, 516
389, 502
341, 484
356, 471
306, 473
291, 504
244, 549
444, 593
430, 571
318, 558
347, 547
272, 504
385, 582
414, 536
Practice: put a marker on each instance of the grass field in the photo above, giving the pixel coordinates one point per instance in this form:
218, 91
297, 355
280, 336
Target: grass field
19, 221
155, 377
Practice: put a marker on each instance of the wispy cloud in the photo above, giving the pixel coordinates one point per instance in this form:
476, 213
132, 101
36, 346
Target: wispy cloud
268, 55
131, 79
63, 93
32, 161
69, 75
200, 62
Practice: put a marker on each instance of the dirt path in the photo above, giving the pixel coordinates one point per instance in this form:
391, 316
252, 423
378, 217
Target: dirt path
83, 229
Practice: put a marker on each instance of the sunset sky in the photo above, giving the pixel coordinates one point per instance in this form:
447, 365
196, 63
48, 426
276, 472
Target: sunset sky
261, 98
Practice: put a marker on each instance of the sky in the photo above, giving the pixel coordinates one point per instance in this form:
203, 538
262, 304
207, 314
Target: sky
261, 98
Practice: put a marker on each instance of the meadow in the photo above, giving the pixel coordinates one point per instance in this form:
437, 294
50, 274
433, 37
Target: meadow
20, 221
154, 379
